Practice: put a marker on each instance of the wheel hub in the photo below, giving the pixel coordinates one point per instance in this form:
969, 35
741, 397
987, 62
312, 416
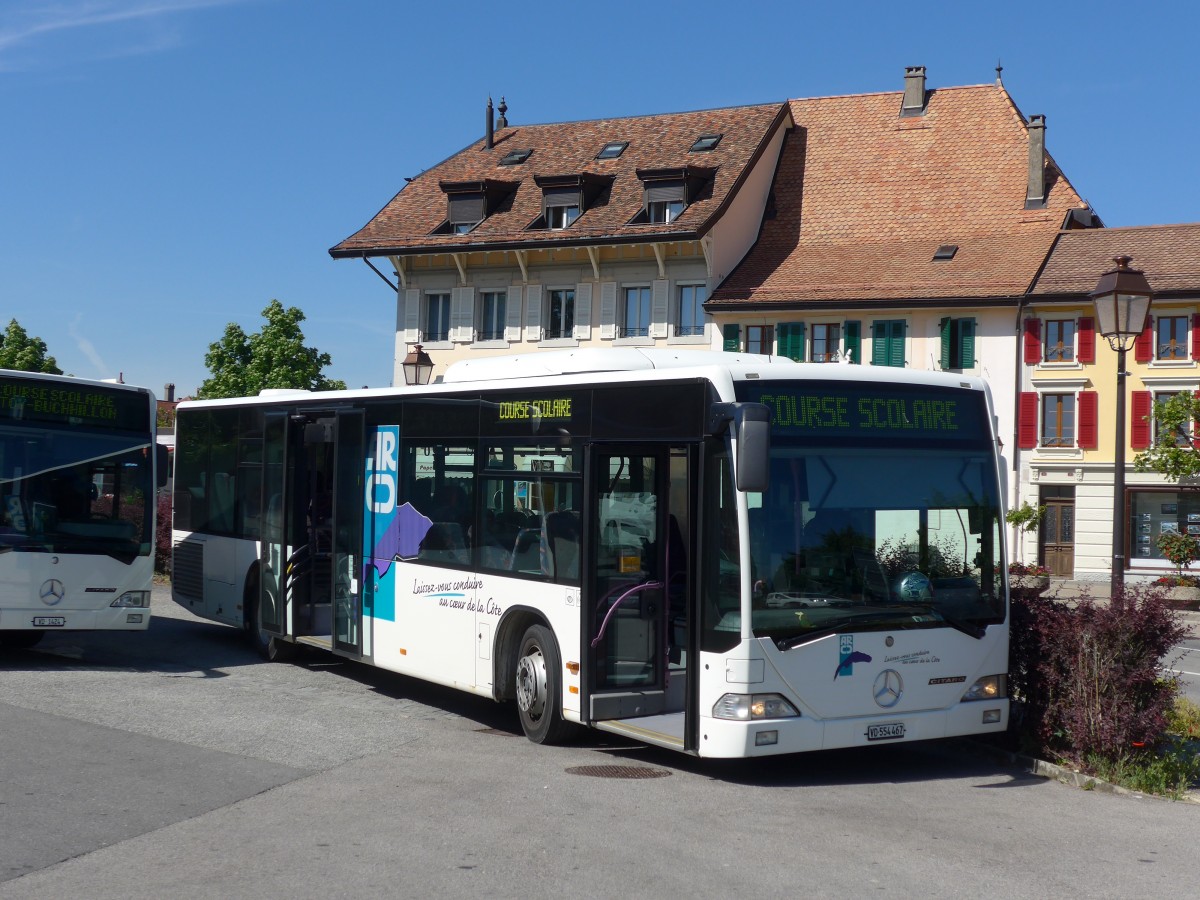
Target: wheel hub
531, 683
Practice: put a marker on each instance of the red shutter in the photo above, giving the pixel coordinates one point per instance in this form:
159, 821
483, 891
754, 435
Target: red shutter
1143, 347
1195, 336
1033, 342
1139, 423
1027, 427
1086, 352
1089, 410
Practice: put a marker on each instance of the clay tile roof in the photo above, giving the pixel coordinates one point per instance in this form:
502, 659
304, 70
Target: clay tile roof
863, 199
1168, 254
656, 142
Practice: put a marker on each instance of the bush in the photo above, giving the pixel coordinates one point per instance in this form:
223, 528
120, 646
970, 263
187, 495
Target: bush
1033, 570
1086, 677
162, 537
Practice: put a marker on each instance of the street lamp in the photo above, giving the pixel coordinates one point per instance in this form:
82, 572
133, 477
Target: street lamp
417, 366
1122, 299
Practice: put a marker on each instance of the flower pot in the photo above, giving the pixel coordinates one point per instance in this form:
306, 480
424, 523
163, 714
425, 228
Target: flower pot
1184, 596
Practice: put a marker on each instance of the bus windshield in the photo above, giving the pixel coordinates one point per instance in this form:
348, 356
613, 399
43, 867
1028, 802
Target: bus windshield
876, 526
65, 490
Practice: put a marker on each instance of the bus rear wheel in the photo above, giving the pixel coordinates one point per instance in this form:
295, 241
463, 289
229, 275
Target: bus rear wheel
539, 688
20, 640
269, 647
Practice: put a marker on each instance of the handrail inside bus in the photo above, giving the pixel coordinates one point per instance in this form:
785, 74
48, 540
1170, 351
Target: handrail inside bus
637, 588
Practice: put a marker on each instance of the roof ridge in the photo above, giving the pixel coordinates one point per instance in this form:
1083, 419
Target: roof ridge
956, 87
772, 104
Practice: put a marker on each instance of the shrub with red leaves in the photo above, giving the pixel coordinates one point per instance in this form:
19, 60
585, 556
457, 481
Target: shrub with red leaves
162, 535
1087, 675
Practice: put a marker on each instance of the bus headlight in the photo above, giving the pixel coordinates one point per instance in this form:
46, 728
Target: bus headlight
132, 600
753, 706
989, 687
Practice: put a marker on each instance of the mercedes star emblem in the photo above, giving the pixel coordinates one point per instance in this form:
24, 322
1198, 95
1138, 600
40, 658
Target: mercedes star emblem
51, 591
888, 688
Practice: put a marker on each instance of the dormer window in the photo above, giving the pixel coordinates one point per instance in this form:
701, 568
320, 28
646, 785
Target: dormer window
470, 202
668, 192
705, 143
566, 197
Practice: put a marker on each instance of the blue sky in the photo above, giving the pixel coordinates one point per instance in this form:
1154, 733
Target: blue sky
169, 166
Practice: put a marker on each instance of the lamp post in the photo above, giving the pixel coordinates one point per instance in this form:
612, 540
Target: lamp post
1122, 299
417, 366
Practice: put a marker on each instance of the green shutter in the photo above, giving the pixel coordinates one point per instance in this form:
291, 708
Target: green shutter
879, 343
733, 338
791, 340
887, 347
946, 327
967, 347
852, 341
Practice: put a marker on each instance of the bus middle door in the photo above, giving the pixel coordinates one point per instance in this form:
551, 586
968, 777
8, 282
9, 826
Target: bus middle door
626, 616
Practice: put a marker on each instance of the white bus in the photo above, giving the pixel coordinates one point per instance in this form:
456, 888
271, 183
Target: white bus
78, 472
722, 554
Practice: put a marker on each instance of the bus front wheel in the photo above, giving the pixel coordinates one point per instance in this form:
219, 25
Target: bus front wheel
539, 688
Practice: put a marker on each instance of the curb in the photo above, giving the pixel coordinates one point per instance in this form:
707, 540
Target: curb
1063, 775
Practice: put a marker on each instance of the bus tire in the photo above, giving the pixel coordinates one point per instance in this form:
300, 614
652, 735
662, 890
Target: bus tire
539, 688
269, 647
20, 640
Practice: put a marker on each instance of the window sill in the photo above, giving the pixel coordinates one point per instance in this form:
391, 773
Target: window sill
500, 344
1058, 452
633, 342
552, 343
435, 345
1058, 366
692, 339
1172, 364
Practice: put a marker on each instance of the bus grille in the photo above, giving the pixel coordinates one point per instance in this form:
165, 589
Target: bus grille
187, 570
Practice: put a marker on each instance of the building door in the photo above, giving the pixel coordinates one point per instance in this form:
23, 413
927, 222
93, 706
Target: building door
1057, 537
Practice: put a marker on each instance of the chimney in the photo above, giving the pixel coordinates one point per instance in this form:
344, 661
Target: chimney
491, 126
913, 103
1035, 193
169, 392
502, 122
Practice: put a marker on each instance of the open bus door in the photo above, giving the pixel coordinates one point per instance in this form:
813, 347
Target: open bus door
274, 611
312, 537
636, 624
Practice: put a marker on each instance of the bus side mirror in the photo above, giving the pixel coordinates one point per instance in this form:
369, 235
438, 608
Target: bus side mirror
752, 430
162, 461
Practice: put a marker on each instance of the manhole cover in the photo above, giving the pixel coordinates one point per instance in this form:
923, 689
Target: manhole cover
618, 772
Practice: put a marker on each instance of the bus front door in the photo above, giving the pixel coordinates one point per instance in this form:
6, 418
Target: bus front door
628, 627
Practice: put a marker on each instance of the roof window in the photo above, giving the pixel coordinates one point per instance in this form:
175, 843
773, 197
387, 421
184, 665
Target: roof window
515, 157
566, 197
612, 150
705, 143
945, 251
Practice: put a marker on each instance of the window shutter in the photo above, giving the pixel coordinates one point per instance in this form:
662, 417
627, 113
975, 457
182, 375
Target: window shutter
466, 209
852, 341
1195, 336
899, 331
791, 340
1033, 341
608, 310
945, 326
1139, 422
412, 315
1086, 351
966, 351
533, 312
878, 344
1143, 347
512, 314
1089, 410
583, 312
1027, 426
659, 295
732, 335
462, 314
562, 197
665, 191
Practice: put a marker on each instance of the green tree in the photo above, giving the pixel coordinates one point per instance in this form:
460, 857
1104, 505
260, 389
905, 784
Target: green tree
25, 354
1174, 452
241, 365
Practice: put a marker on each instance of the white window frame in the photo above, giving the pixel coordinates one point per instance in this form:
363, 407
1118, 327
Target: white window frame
645, 301
443, 297
500, 321
566, 334
810, 341
1186, 358
701, 326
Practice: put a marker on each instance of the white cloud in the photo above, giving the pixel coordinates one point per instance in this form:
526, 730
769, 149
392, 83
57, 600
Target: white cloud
87, 348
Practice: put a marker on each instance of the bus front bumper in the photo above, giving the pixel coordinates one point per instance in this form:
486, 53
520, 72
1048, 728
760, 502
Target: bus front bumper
43, 619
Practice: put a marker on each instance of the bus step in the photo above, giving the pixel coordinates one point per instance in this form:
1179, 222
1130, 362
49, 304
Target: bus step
323, 641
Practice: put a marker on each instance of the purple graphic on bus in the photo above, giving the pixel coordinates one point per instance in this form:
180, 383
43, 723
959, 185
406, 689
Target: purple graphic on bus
401, 539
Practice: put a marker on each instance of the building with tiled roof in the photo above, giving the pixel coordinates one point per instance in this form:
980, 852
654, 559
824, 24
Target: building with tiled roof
573, 234
1068, 377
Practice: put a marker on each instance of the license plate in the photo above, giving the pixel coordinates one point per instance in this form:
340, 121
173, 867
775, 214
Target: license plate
889, 732
49, 621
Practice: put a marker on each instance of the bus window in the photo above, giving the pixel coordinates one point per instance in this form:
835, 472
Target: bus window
438, 481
